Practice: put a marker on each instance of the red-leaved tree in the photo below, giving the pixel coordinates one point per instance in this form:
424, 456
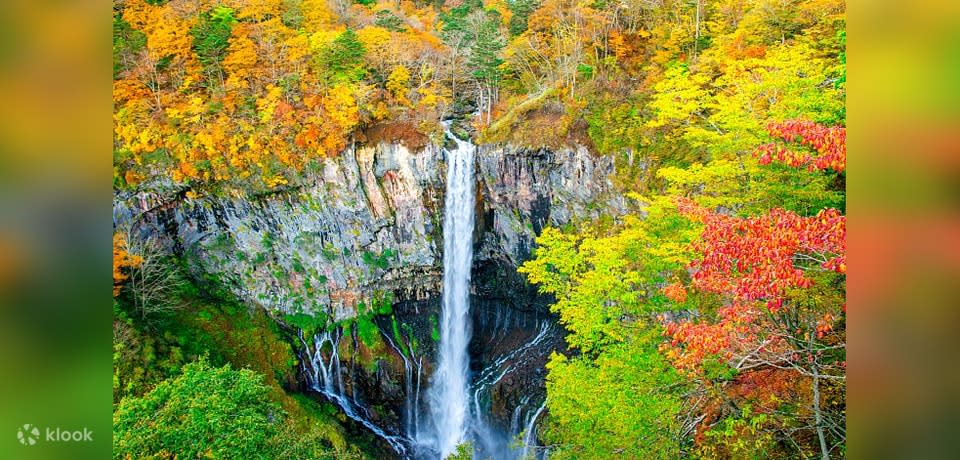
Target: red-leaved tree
766, 341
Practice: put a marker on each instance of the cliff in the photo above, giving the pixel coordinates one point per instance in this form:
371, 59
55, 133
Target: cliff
368, 222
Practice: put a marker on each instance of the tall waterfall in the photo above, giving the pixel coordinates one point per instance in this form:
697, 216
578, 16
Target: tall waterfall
448, 392
457, 406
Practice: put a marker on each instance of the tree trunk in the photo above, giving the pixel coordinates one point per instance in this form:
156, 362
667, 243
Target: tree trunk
817, 415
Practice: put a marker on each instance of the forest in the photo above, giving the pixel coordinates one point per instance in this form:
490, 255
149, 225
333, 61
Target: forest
704, 317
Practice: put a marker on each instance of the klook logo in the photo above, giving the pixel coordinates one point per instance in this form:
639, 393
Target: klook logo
28, 434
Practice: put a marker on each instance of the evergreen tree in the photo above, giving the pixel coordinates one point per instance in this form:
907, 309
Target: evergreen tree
485, 53
211, 38
485, 62
343, 58
521, 12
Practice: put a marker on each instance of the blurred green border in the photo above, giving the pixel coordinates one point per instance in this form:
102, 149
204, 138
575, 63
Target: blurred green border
55, 230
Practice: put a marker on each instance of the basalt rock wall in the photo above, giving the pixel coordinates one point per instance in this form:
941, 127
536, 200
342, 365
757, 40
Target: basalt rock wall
370, 221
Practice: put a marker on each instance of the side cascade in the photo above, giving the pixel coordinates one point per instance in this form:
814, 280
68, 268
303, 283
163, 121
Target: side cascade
323, 374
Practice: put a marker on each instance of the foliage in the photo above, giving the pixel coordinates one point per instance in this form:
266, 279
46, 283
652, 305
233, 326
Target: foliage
615, 127
629, 410
608, 293
739, 256
343, 58
221, 413
206, 411
308, 323
141, 360
397, 84
464, 452
434, 328
521, 10
829, 144
484, 55
213, 326
367, 331
123, 261
127, 42
752, 306
606, 285
381, 261
243, 95
211, 36
777, 322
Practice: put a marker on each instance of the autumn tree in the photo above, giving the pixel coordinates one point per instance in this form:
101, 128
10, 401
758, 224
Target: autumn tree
123, 261
766, 345
608, 298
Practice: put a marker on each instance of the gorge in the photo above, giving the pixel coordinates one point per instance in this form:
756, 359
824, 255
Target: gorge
370, 231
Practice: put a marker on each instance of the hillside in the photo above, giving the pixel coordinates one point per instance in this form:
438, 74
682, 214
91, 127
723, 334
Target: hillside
655, 264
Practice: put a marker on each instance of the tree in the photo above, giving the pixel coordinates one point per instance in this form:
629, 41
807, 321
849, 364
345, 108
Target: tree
829, 145
241, 58
152, 279
606, 282
343, 58
766, 340
777, 324
464, 452
397, 84
521, 12
211, 38
123, 261
204, 412
630, 410
485, 59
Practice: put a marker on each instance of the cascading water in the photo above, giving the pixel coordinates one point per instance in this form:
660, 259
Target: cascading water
520, 438
448, 391
325, 377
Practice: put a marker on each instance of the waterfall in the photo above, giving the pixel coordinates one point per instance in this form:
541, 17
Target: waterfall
530, 434
492, 442
325, 377
503, 365
457, 405
412, 392
448, 391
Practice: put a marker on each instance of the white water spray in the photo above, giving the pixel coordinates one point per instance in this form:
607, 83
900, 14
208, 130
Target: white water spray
325, 377
448, 393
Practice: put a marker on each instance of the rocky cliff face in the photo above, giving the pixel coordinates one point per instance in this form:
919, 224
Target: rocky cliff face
369, 223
